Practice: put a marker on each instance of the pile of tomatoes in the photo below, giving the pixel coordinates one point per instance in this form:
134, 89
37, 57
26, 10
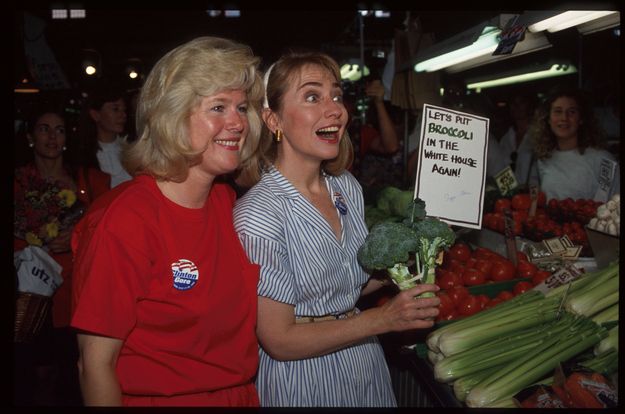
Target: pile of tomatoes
463, 268
553, 219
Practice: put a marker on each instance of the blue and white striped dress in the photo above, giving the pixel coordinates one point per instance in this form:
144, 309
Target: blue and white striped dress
303, 264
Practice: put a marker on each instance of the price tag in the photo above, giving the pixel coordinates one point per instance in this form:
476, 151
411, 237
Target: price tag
506, 180
560, 277
554, 245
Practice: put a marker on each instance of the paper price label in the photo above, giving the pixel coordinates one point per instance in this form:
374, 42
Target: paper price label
506, 180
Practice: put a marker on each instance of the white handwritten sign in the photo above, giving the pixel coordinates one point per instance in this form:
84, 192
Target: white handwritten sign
452, 165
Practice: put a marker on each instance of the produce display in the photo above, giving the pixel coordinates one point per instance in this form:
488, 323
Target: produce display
551, 219
464, 271
493, 355
608, 217
505, 336
407, 250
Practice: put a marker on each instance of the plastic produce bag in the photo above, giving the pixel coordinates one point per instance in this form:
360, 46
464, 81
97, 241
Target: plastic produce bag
37, 272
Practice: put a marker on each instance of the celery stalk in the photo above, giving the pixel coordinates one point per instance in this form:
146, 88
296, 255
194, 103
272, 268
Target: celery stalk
608, 343
451, 343
464, 384
493, 353
540, 361
595, 299
607, 315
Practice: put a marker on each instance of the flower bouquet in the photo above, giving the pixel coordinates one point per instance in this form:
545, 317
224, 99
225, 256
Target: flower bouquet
43, 208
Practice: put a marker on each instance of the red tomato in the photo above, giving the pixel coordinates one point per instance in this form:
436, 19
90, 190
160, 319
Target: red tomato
521, 202
447, 317
484, 266
525, 269
447, 304
502, 204
468, 306
471, 262
521, 287
482, 253
493, 302
502, 269
448, 280
458, 293
505, 295
542, 199
473, 277
459, 251
449, 263
483, 300
521, 257
539, 276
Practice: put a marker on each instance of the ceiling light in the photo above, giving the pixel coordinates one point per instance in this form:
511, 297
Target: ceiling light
352, 71
90, 70
556, 21
467, 45
606, 22
532, 42
554, 69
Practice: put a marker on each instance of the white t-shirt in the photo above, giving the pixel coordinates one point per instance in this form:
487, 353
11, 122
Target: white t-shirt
499, 155
109, 156
571, 174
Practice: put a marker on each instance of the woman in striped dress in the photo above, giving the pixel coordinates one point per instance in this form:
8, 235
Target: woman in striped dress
303, 222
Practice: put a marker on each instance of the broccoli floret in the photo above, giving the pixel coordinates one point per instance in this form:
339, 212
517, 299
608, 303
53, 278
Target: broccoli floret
386, 198
434, 236
386, 244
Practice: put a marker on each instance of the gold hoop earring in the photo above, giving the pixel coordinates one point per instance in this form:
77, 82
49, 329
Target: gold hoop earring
278, 135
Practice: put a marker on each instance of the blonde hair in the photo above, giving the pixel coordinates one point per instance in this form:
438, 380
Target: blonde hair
175, 86
280, 77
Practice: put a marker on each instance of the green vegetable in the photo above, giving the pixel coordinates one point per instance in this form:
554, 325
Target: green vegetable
535, 364
600, 293
605, 363
434, 236
609, 343
386, 245
606, 316
386, 198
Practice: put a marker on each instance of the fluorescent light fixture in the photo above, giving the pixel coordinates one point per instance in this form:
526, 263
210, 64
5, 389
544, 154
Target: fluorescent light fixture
532, 42
554, 70
485, 43
381, 14
606, 22
24, 86
59, 13
232, 13
77, 13
570, 18
352, 71
213, 13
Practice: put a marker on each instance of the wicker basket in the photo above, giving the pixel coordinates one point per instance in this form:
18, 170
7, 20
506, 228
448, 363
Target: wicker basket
31, 311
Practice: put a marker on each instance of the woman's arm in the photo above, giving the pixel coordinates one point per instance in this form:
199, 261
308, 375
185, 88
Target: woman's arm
96, 370
283, 339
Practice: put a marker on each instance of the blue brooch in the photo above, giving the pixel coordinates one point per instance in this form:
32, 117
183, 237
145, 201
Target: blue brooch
340, 204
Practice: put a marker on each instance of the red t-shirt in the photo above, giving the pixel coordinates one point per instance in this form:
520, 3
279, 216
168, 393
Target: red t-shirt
174, 283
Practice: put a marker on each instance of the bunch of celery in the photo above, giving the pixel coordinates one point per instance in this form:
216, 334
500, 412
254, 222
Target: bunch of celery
493, 354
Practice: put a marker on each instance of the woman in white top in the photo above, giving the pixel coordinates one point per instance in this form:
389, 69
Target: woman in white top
570, 160
102, 131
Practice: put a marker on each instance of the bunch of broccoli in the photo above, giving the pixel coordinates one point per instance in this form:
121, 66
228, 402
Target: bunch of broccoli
415, 243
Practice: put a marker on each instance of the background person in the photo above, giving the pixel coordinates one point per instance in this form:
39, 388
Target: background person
568, 147
165, 296
102, 130
303, 222
50, 167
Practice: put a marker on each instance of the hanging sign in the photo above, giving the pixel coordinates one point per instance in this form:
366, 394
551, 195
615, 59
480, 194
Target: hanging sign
451, 170
512, 34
